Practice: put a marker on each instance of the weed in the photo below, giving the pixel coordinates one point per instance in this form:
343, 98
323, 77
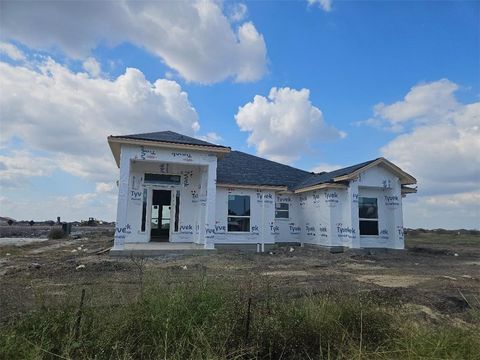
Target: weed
200, 318
56, 233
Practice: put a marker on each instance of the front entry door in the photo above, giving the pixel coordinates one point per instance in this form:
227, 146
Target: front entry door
160, 222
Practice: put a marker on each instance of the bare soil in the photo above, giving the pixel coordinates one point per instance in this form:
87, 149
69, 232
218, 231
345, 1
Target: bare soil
436, 278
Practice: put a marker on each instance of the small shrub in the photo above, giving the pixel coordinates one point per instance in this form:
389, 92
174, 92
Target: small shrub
56, 233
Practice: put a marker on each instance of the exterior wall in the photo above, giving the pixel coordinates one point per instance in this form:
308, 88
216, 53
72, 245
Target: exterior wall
330, 217
289, 230
315, 218
197, 193
378, 182
326, 217
320, 211
191, 202
262, 213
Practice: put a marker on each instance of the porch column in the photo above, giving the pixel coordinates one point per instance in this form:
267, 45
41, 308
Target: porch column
353, 200
210, 203
122, 204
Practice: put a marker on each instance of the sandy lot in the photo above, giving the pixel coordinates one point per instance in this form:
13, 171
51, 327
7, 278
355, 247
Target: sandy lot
437, 277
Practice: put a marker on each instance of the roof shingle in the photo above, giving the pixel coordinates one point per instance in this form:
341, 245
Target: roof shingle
239, 168
170, 137
327, 177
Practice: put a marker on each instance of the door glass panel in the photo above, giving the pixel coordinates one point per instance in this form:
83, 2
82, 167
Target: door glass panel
166, 217
165, 224
166, 212
155, 209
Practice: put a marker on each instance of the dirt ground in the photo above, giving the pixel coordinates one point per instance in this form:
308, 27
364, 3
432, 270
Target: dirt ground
437, 277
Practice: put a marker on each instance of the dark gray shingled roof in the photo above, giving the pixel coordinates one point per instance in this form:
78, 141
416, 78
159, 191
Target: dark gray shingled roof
240, 168
170, 137
327, 177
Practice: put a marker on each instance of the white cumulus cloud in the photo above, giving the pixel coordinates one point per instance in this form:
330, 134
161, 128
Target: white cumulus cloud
19, 166
11, 51
439, 144
284, 124
325, 5
68, 116
211, 137
105, 187
424, 103
238, 12
195, 38
92, 66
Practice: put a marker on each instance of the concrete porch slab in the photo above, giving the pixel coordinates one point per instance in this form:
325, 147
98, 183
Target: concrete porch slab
157, 248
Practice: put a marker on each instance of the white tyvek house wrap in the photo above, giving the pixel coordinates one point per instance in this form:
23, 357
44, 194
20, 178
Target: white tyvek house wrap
330, 217
197, 193
327, 217
380, 183
262, 217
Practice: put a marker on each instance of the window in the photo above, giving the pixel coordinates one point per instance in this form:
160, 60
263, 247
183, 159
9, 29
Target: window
239, 213
162, 179
368, 215
281, 211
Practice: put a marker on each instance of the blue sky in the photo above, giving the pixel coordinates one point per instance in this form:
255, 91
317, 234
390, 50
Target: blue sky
393, 79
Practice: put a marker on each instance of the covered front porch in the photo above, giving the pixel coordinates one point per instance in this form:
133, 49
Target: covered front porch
165, 197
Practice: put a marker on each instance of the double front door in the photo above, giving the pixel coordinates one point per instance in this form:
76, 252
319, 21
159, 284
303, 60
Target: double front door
160, 219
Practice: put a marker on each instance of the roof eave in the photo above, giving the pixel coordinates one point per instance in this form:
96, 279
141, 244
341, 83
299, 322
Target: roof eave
320, 187
116, 141
254, 186
115, 148
408, 190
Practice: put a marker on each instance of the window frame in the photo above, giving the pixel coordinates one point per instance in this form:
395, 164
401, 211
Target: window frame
240, 216
282, 210
161, 179
376, 219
